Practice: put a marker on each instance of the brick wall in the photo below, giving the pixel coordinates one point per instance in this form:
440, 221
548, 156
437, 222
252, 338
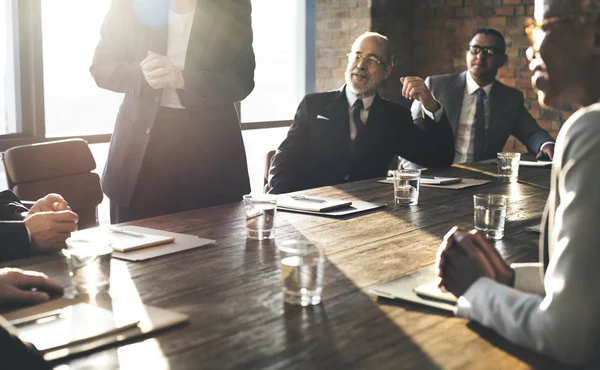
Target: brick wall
429, 37
339, 23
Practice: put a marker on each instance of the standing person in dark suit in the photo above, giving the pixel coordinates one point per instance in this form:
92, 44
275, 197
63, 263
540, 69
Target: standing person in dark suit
41, 229
352, 133
182, 65
480, 133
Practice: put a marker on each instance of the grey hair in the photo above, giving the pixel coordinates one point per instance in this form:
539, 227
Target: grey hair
389, 55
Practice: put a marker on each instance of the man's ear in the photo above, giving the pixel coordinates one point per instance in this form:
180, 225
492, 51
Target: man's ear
503, 60
387, 72
596, 45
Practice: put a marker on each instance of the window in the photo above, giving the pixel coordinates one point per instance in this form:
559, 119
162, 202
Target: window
74, 105
9, 77
279, 29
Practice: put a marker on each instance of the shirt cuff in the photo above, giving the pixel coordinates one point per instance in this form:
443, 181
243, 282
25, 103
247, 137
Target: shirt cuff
528, 277
546, 143
463, 305
437, 116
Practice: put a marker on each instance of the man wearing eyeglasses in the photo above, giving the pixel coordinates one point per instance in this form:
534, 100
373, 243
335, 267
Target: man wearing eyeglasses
352, 134
552, 307
482, 111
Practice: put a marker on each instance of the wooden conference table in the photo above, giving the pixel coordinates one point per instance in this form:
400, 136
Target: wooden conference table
232, 290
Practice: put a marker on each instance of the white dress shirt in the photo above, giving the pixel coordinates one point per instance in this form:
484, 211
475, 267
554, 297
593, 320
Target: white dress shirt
464, 139
364, 113
560, 315
179, 29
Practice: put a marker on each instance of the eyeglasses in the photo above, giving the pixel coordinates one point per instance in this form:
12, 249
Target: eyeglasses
537, 29
368, 61
487, 50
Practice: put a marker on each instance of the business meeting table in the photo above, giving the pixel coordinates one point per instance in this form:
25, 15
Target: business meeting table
232, 290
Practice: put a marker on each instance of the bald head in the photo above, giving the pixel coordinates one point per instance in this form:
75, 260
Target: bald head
381, 42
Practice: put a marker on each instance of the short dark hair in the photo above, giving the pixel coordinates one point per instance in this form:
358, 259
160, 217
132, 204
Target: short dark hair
492, 32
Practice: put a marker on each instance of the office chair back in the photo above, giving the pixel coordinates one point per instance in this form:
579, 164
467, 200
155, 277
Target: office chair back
62, 167
268, 160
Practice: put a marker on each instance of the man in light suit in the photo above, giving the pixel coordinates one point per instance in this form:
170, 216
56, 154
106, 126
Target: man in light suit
41, 229
482, 111
352, 134
552, 307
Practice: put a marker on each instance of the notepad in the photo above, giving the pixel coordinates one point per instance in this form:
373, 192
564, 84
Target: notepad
310, 203
432, 290
122, 239
435, 180
71, 325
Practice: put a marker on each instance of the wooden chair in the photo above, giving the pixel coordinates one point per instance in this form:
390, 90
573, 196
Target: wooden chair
268, 160
62, 167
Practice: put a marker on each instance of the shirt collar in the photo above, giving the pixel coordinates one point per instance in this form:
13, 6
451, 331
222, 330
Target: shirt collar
472, 86
352, 99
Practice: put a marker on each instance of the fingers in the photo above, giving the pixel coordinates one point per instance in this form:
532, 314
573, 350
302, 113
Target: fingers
412, 87
38, 280
18, 296
64, 216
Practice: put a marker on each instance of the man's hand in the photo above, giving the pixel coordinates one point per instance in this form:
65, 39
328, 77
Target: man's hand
460, 262
49, 230
413, 87
159, 71
50, 203
26, 287
547, 152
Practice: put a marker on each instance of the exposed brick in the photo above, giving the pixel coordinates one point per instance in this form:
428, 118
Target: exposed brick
512, 1
505, 11
465, 12
496, 22
454, 2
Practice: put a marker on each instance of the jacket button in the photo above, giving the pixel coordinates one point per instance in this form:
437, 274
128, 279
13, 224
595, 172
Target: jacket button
347, 177
148, 131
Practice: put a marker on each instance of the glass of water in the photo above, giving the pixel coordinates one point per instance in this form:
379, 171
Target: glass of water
90, 264
260, 216
490, 214
302, 267
508, 166
406, 186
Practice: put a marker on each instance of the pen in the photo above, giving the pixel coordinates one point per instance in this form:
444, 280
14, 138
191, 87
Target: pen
34, 318
307, 199
125, 232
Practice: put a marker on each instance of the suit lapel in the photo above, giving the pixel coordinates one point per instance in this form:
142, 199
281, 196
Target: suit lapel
455, 100
496, 116
337, 112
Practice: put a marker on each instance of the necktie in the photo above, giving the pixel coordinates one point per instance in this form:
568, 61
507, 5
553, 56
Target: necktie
479, 126
360, 125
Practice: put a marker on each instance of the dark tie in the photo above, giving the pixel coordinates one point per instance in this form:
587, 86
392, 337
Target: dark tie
360, 125
479, 126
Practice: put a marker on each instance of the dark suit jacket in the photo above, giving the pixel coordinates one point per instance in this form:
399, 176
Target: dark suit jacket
14, 239
508, 115
317, 151
219, 70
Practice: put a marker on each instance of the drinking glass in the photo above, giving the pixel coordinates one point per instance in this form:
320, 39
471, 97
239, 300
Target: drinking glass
406, 187
260, 216
90, 264
302, 268
490, 214
508, 166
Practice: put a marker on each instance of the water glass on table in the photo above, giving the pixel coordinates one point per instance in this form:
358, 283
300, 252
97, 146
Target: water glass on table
490, 214
90, 264
508, 166
406, 186
302, 268
260, 216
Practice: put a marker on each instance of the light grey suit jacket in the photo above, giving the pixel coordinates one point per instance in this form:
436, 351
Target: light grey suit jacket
558, 315
507, 113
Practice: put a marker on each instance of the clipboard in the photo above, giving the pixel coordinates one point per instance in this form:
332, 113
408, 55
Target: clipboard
149, 320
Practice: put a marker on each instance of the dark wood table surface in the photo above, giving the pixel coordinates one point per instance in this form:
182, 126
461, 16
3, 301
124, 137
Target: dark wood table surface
232, 290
